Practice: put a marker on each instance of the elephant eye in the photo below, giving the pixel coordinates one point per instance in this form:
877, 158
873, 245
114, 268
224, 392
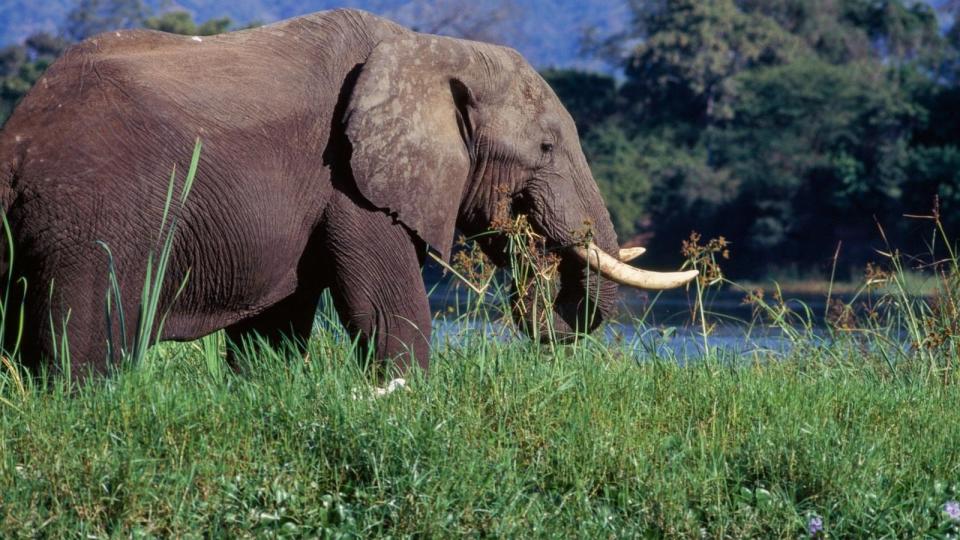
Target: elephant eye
546, 147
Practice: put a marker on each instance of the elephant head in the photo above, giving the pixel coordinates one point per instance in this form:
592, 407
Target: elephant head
442, 129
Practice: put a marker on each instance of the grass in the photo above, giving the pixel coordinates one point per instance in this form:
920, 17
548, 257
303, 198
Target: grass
504, 439
855, 427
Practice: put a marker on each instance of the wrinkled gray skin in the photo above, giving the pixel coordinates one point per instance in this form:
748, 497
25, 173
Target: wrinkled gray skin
338, 148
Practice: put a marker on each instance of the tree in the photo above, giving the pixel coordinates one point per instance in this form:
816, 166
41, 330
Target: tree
820, 149
11, 58
656, 191
819, 24
591, 98
44, 45
691, 49
618, 166
91, 17
899, 30
935, 172
181, 22
782, 124
842, 31
22, 65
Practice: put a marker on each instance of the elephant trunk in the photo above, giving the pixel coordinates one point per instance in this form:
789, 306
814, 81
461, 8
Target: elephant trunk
585, 298
592, 263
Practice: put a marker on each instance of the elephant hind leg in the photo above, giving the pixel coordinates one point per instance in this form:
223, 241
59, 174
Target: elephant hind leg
286, 324
66, 331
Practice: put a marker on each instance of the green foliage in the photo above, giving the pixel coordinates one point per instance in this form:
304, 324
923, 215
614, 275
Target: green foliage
181, 22
934, 172
91, 17
590, 98
786, 126
686, 184
819, 23
620, 169
899, 29
645, 178
832, 137
22, 65
854, 30
692, 49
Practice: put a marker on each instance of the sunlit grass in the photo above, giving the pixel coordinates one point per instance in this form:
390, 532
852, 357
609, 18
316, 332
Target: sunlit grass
505, 438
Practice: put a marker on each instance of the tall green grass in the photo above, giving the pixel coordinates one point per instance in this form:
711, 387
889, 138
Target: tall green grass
855, 426
505, 438
150, 319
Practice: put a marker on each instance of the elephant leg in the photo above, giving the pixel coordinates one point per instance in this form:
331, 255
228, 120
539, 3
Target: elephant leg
378, 288
287, 323
66, 328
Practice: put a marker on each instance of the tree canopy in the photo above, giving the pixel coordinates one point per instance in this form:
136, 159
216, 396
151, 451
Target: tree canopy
786, 126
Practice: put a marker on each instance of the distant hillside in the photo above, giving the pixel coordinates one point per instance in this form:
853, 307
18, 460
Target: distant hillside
547, 32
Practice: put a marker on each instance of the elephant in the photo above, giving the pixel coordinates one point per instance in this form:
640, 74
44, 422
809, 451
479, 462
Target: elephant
339, 150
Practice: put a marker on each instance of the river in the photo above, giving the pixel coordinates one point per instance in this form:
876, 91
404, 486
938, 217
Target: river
658, 322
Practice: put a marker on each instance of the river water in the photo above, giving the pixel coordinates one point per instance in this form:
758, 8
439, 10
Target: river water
656, 323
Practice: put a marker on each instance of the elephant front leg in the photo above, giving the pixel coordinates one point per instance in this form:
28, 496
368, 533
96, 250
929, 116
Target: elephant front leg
378, 288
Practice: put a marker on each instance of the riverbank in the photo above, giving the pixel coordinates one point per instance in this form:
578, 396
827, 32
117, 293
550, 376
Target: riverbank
917, 283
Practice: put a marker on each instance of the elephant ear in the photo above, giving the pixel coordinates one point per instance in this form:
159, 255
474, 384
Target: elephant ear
407, 121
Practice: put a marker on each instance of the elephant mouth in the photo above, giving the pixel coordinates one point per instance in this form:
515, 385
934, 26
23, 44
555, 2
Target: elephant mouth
613, 268
574, 311
588, 276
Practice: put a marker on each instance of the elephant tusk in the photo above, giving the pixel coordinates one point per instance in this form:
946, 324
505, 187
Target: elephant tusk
629, 254
605, 265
